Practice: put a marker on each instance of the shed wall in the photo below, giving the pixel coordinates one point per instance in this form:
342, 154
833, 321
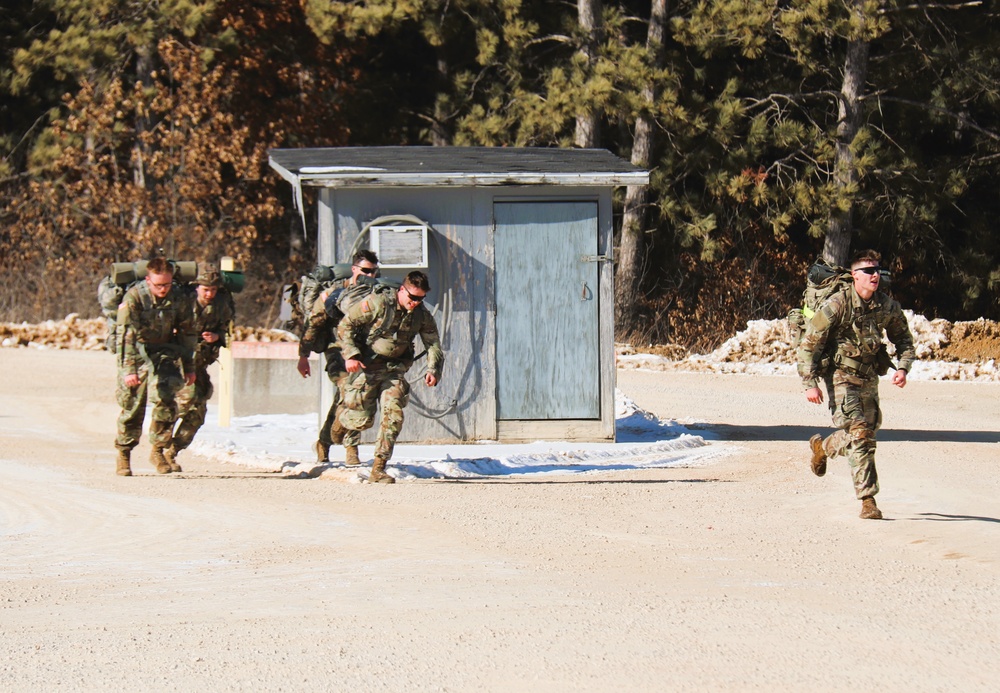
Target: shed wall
463, 405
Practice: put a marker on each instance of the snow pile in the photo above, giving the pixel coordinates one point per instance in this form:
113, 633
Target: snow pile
947, 351
282, 444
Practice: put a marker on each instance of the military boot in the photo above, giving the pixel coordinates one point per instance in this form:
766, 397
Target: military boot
170, 455
818, 462
124, 467
322, 452
378, 475
157, 459
351, 458
869, 511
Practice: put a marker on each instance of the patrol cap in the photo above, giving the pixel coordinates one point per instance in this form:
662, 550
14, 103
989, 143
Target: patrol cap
209, 275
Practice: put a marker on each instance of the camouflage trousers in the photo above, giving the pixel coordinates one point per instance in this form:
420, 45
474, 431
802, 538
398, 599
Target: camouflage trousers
856, 413
378, 387
332, 428
192, 406
159, 383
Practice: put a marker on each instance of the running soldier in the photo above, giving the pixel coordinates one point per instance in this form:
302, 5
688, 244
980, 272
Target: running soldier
376, 339
854, 319
320, 335
212, 312
155, 355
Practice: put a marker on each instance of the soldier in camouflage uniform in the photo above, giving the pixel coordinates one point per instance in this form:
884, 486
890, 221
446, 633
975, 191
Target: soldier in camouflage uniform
155, 354
212, 311
853, 320
376, 339
320, 335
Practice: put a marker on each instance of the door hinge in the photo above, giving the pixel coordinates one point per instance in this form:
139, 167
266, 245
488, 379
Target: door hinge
595, 258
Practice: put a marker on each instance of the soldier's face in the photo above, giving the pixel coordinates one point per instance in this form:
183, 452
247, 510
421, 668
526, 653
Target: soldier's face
409, 297
865, 279
206, 294
159, 284
363, 267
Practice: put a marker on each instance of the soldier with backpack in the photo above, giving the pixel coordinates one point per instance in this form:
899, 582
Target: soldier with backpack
847, 330
155, 357
212, 312
319, 335
376, 340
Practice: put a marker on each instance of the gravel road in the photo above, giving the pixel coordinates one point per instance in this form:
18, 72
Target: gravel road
746, 575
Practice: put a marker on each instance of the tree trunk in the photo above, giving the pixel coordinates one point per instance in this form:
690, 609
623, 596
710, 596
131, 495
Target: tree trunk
587, 120
631, 252
837, 245
439, 127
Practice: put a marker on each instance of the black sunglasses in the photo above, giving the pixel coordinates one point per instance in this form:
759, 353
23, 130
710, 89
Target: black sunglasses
415, 299
869, 270
371, 271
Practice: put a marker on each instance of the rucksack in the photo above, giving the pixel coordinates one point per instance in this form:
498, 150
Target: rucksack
303, 294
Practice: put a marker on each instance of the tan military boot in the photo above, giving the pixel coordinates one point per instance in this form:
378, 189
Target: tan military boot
818, 462
170, 455
322, 452
124, 467
378, 475
351, 458
869, 511
157, 459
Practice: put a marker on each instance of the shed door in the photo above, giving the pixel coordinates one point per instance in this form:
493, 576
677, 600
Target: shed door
547, 312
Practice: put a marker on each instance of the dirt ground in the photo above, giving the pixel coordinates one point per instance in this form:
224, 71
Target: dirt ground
746, 575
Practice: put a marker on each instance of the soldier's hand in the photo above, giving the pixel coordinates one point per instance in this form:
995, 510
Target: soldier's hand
210, 337
814, 395
431, 379
303, 367
189, 378
132, 380
899, 378
353, 365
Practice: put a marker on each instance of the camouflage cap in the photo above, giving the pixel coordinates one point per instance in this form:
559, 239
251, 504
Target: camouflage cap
208, 275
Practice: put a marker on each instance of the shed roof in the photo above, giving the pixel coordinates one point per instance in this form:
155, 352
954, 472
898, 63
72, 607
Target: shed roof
453, 166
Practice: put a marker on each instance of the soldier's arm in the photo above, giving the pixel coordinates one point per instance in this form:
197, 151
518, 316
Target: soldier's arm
186, 332
359, 315
432, 342
128, 355
898, 332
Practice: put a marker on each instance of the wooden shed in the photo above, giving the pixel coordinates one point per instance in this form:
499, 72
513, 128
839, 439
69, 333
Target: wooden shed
517, 243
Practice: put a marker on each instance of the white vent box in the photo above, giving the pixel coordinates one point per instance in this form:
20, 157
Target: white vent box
400, 246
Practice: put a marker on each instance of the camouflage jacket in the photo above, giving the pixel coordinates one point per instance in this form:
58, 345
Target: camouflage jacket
215, 317
319, 333
149, 328
850, 330
378, 327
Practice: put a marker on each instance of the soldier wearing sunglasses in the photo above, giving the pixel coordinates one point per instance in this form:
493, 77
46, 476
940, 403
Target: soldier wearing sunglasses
376, 338
855, 319
320, 335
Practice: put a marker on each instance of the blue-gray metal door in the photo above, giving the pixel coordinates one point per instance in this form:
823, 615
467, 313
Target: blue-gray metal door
547, 312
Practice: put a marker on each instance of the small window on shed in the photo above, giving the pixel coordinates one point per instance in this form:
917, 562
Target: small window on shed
400, 246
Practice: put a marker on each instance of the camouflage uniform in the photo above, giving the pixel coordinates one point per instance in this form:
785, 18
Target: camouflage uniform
320, 336
192, 400
156, 343
379, 332
853, 328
